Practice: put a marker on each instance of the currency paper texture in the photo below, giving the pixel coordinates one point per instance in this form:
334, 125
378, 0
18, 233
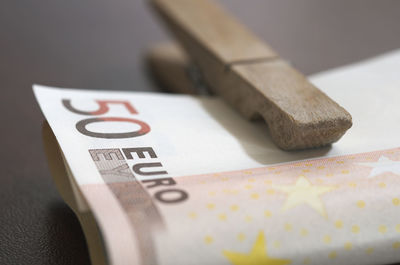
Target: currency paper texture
175, 179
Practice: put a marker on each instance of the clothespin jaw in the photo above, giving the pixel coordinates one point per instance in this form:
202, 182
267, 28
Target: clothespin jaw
247, 73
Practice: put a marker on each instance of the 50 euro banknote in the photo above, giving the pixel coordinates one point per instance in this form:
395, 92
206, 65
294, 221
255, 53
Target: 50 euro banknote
175, 179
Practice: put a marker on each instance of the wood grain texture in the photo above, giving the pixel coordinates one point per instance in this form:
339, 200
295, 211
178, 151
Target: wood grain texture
252, 78
100, 45
214, 30
171, 67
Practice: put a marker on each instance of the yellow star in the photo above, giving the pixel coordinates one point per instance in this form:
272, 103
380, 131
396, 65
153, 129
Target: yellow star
304, 192
257, 256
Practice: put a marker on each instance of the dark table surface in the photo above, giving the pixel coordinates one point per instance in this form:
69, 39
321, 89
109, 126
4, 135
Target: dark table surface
100, 45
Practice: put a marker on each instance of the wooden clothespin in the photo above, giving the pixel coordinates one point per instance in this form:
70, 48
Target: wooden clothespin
247, 73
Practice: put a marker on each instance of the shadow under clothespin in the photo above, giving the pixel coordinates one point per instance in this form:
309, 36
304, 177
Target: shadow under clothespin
234, 64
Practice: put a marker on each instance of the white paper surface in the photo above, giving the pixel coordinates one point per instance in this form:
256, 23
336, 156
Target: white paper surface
197, 135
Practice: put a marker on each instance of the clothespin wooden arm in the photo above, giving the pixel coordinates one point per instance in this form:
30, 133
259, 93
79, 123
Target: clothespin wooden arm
250, 76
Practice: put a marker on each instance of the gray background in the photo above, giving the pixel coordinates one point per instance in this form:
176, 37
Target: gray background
100, 45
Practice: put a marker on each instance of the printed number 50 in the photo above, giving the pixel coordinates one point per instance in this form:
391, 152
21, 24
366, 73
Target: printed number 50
103, 109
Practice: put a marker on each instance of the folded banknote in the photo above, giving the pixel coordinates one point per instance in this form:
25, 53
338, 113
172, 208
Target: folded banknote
175, 179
